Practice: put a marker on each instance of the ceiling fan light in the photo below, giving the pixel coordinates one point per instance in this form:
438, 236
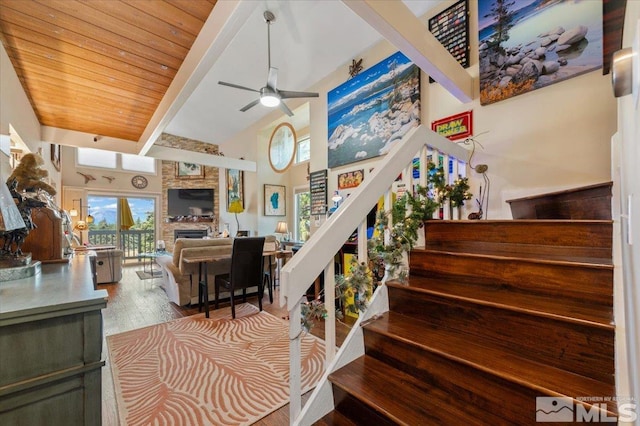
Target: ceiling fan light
270, 100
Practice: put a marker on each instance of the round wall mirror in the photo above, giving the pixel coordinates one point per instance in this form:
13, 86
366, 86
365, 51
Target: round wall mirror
282, 147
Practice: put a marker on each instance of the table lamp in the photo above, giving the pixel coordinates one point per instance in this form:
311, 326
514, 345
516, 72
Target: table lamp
236, 207
281, 228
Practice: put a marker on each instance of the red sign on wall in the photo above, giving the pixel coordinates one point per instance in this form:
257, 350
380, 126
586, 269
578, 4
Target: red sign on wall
455, 127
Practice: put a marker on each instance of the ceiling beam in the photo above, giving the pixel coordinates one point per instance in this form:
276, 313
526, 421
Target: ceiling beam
87, 140
226, 19
174, 154
396, 23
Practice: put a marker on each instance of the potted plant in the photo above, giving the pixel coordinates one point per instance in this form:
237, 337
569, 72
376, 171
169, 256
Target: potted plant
459, 193
388, 257
438, 184
353, 291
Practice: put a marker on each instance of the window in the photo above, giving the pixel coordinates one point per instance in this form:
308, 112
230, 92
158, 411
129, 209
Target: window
90, 157
138, 163
303, 153
302, 214
125, 222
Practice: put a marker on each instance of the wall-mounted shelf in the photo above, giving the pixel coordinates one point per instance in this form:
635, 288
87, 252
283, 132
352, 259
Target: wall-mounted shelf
187, 219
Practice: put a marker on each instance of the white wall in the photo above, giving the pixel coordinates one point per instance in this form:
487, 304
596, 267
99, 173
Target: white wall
629, 171
553, 138
18, 120
16, 109
122, 181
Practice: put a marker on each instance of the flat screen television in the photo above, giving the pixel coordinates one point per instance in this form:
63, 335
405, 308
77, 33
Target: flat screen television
190, 202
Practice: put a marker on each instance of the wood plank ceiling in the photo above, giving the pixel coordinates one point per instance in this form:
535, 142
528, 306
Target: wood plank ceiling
99, 66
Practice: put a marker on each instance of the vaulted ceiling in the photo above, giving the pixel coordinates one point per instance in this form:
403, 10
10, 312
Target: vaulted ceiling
126, 70
99, 66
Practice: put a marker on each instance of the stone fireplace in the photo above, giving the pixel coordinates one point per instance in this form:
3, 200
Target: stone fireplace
193, 227
189, 233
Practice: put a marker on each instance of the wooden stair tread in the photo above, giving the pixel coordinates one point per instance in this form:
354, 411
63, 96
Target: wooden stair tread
400, 397
498, 295
594, 263
457, 346
524, 251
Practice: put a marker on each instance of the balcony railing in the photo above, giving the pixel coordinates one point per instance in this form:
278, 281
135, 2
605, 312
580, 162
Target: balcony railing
316, 255
132, 242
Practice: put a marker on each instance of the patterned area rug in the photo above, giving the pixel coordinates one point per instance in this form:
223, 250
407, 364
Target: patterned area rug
217, 371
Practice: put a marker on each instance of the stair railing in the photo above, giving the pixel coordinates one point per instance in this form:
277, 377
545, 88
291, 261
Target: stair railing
317, 254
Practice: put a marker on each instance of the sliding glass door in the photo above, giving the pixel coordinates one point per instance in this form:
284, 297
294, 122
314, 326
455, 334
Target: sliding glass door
127, 223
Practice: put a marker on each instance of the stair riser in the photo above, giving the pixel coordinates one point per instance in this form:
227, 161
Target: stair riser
574, 347
475, 389
495, 293
576, 234
590, 254
553, 280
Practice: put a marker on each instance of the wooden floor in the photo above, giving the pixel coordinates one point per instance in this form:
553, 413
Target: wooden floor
135, 303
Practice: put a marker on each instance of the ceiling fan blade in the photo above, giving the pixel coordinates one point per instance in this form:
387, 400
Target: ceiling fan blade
250, 105
272, 79
288, 94
238, 87
286, 109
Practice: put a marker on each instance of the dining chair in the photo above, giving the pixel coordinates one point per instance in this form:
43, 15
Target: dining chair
246, 270
270, 264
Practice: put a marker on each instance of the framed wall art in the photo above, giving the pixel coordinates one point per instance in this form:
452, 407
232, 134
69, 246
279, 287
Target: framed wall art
275, 200
564, 39
454, 127
189, 170
350, 179
318, 188
373, 110
235, 186
451, 28
55, 156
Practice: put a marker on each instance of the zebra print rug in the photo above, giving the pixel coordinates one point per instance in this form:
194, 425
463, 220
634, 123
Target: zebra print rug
217, 371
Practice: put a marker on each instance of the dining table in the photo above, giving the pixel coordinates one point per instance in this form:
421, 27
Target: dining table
203, 282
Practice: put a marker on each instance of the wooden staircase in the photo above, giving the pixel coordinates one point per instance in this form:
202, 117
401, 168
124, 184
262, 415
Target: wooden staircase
495, 314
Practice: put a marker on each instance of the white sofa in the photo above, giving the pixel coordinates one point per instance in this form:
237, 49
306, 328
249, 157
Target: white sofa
180, 280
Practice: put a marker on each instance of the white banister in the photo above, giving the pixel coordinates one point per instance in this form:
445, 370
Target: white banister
330, 321
298, 274
362, 242
318, 253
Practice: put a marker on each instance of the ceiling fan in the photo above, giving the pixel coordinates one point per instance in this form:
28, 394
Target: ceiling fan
270, 95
